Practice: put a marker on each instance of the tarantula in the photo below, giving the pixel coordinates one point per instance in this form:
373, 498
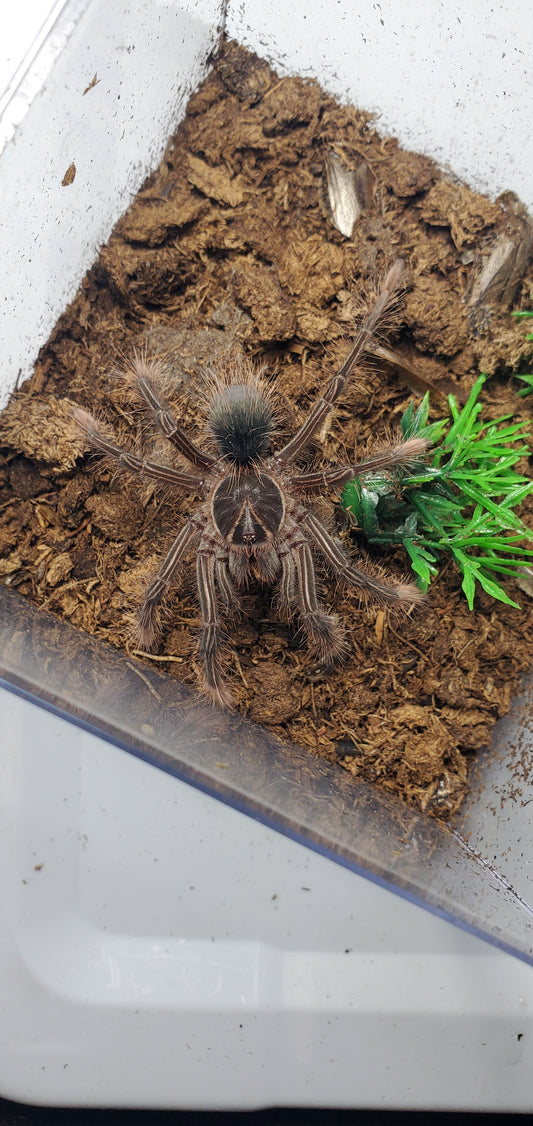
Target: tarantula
251, 520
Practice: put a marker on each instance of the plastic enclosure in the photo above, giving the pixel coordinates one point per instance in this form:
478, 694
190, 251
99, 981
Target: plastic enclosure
310, 800
431, 72
159, 948
148, 58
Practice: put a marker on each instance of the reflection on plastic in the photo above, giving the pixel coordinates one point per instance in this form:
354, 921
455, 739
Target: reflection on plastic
289, 789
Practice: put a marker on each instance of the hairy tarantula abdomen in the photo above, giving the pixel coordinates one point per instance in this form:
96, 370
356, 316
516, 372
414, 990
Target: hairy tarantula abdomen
250, 518
241, 421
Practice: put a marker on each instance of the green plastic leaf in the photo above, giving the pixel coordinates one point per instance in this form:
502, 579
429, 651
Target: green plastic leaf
423, 562
494, 589
462, 502
469, 587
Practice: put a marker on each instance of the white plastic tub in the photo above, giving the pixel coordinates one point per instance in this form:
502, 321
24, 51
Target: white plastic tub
200, 936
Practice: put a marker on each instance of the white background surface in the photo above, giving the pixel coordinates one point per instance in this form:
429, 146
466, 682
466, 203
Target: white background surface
159, 949
20, 25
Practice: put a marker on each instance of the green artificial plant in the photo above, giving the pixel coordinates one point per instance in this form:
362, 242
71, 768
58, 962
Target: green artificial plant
461, 502
528, 377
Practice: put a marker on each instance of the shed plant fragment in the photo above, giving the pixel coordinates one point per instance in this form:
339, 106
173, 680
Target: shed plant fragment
228, 248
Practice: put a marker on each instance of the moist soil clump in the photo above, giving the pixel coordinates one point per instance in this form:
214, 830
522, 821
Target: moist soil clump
233, 244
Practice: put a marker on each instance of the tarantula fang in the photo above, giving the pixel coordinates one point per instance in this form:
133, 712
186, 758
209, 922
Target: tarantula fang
251, 519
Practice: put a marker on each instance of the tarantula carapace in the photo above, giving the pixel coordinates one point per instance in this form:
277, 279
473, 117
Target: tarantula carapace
251, 519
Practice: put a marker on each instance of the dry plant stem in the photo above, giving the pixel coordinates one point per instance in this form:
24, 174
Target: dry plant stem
249, 522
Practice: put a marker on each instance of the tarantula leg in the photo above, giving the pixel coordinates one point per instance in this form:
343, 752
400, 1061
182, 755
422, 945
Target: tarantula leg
126, 460
323, 630
147, 627
287, 586
228, 594
145, 375
211, 645
382, 591
363, 341
401, 456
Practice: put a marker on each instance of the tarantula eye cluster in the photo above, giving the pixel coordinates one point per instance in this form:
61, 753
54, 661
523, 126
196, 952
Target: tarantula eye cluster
251, 519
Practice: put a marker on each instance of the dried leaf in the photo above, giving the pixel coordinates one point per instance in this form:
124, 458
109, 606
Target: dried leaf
503, 270
413, 377
344, 205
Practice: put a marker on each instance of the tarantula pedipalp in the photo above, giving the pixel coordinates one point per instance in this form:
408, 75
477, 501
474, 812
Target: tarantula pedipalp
251, 520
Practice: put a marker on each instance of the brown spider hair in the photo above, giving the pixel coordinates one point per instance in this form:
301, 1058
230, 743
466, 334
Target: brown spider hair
252, 519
